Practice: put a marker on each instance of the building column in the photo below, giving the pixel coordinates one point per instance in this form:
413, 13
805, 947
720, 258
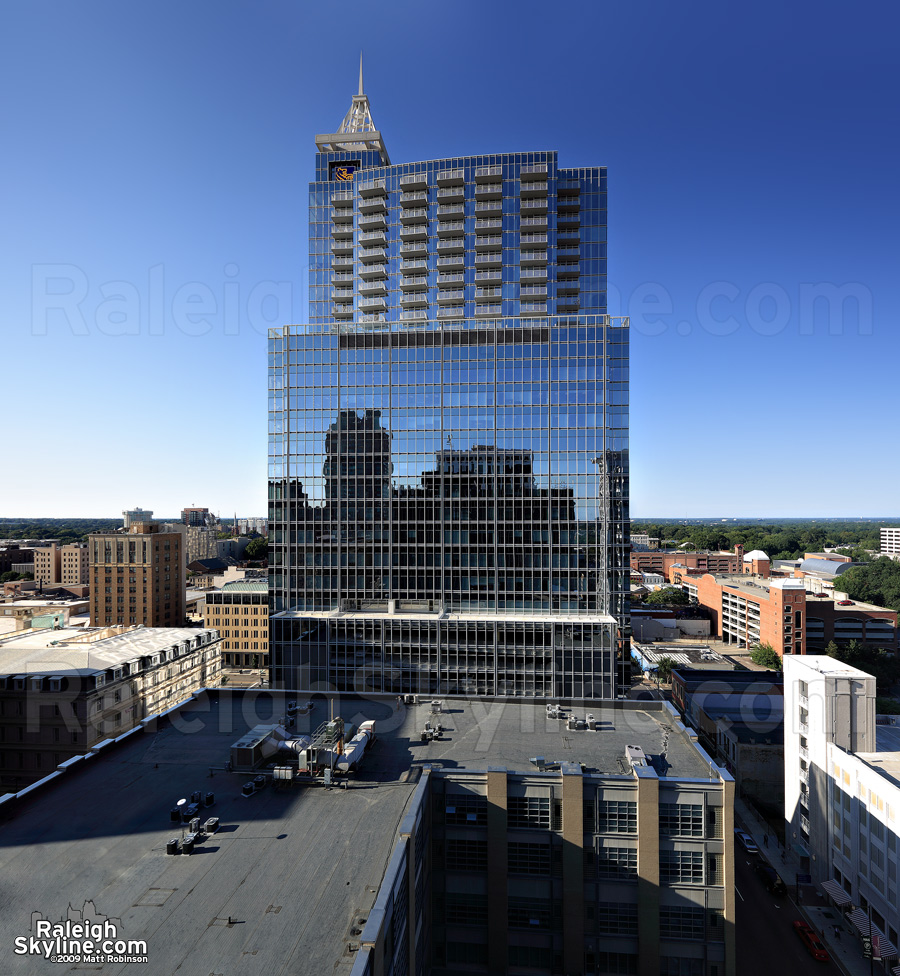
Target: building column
573, 867
648, 869
728, 863
497, 870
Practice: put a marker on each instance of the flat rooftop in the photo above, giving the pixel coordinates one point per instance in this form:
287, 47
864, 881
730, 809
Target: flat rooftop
72, 650
886, 760
291, 871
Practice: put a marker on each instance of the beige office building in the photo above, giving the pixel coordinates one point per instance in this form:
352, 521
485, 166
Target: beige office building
240, 613
137, 577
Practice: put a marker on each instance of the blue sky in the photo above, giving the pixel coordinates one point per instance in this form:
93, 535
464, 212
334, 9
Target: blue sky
155, 168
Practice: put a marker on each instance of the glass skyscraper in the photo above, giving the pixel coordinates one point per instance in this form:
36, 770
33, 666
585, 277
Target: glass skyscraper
448, 459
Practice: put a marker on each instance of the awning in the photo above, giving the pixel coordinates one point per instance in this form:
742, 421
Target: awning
835, 892
882, 947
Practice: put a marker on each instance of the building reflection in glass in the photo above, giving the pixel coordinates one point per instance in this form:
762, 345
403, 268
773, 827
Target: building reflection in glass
434, 509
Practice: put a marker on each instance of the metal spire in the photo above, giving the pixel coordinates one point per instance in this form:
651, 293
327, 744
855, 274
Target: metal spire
358, 126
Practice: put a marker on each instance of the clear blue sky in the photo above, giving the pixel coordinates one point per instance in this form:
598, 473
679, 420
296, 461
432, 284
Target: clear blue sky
155, 164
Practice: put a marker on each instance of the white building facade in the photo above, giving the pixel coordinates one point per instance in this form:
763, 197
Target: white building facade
842, 787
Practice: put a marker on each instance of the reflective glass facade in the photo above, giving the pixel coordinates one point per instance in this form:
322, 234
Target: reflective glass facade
435, 498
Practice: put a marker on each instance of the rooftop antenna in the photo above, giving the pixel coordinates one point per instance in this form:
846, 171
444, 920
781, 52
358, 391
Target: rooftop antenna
360, 73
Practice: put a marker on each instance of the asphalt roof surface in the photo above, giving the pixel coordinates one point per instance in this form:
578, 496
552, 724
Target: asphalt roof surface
295, 870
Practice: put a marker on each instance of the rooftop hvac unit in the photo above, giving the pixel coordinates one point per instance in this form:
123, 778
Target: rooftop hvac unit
635, 755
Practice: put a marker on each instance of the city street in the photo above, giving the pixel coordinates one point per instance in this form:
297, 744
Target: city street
766, 941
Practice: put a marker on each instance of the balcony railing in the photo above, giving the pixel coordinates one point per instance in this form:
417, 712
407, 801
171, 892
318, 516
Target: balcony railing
533, 221
451, 210
373, 288
412, 181
484, 224
413, 313
450, 227
417, 215
371, 255
372, 237
450, 279
413, 265
449, 177
492, 309
451, 262
484, 174
407, 247
337, 276
532, 171
413, 232
454, 295
414, 283
489, 206
488, 275
374, 189
452, 312
414, 198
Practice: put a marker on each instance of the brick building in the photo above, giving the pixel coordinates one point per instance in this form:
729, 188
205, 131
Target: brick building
65, 565
137, 577
748, 610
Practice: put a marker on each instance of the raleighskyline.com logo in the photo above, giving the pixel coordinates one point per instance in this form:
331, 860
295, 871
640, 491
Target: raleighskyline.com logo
85, 936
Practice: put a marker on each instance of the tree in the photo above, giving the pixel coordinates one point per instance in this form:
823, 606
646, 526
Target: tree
664, 668
766, 656
257, 548
8, 577
882, 666
668, 596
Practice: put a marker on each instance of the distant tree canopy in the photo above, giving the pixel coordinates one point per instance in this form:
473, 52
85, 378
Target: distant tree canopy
766, 656
877, 582
668, 596
66, 530
778, 538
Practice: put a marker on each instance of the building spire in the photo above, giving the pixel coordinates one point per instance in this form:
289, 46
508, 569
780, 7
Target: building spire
358, 130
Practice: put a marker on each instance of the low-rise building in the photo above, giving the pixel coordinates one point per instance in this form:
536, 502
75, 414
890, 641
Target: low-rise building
67, 565
240, 613
748, 610
660, 560
64, 690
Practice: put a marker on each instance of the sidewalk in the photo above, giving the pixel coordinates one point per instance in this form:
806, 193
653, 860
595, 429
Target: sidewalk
822, 915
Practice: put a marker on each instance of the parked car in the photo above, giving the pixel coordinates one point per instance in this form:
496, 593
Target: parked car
746, 841
812, 942
845, 603
770, 879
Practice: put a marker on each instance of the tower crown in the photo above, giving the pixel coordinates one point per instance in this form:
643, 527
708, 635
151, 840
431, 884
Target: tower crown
357, 131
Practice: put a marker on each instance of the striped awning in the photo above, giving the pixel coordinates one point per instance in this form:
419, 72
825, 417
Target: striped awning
835, 892
882, 947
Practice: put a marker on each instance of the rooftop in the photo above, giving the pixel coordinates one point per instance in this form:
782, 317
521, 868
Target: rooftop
464, 616
886, 760
756, 586
277, 888
71, 650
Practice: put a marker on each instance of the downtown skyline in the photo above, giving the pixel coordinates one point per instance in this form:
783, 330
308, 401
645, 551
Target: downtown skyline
735, 200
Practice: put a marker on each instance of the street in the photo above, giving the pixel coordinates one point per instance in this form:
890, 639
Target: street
766, 941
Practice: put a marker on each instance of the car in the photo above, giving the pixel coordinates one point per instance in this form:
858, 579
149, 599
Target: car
845, 603
812, 942
746, 841
770, 879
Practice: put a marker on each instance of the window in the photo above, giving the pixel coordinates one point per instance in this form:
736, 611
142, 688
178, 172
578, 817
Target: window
681, 867
614, 918
617, 817
681, 819
466, 910
528, 858
466, 808
467, 855
613, 963
467, 953
529, 811
617, 862
681, 922
676, 966
528, 913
